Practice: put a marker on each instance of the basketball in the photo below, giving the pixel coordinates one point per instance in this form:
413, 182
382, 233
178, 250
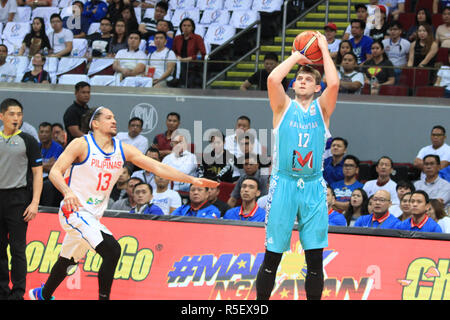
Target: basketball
306, 42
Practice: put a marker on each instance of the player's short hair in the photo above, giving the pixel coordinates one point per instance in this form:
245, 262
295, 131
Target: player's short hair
86, 118
9, 102
310, 70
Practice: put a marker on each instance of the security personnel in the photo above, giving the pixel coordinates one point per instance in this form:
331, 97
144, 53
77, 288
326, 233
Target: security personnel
20, 191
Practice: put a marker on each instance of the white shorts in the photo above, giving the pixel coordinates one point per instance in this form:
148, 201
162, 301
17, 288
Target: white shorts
83, 232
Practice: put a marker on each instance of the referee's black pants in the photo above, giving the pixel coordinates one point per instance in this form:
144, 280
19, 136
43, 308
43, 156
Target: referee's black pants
13, 231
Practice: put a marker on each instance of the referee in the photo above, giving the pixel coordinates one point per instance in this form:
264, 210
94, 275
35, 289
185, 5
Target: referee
20, 191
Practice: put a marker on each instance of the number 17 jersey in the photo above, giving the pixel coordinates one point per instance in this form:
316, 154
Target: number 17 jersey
300, 140
93, 179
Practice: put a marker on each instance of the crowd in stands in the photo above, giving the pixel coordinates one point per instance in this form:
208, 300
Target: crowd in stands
360, 194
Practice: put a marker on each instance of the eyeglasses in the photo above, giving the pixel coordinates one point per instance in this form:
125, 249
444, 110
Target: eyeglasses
437, 134
379, 200
349, 166
430, 163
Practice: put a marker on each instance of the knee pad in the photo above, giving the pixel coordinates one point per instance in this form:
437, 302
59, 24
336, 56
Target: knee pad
271, 262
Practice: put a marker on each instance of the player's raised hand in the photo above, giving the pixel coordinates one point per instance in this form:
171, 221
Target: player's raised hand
206, 183
301, 58
321, 41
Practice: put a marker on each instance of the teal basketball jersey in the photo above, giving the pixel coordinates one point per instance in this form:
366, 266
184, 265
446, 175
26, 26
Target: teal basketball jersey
300, 140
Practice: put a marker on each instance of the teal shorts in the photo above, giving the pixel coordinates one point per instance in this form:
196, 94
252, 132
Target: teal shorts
292, 197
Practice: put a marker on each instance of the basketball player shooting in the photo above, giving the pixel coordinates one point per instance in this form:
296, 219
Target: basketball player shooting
297, 188
85, 174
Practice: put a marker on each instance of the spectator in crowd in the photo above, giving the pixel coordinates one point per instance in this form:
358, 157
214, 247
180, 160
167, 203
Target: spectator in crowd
213, 198
437, 212
134, 136
345, 46
73, 115
443, 77
370, 204
332, 166
164, 61
251, 168
379, 70
437, 147
130, 62
148, 26
333, 43
373, 6
439, 5
129, 16
198, 205
119, 38
165, 198
419, 220
380, 217
59, 134
379, 29
259, 78
422, 52
334, 218
397, 48
249, 210
38, 74
361, 14
445, 173
120, 188
36, 40
443, 30
78, 23
99, 43
127, 203
242, 127
162, 26
95, 10
344, 188
402, 188
422, 16
142, 194
357, 207
61, 39
361, 43
246, 143
218, 163
114, 10
163, 140
405, 207
396, 7
50, 150
8, 9
433, 185
7, 70
187, 47
181, 159
351, 80
384, 169
147, 176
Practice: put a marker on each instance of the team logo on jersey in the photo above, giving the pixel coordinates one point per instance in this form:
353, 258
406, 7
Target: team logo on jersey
312, 110
94, 201
298, 158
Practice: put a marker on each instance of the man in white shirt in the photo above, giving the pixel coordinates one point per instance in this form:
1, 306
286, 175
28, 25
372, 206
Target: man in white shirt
333, 43
168, 200
182, 160
133, 136
163, 59
397, 48
361, 14
130, 62
383, 182
61, 39
232, 143
8, 10
7, 70
438, 147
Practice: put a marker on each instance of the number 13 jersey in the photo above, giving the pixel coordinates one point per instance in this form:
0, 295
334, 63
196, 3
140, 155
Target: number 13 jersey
300, 140
93, 179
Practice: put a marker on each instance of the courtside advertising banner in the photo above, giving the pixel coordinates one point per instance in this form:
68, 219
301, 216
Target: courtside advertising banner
177, 260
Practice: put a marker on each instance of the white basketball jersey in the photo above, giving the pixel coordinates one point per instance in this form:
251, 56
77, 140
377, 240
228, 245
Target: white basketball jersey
93, 179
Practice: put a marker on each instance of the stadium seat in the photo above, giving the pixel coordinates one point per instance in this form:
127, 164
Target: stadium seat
72, 78
427, 4
66, 12
200, 29
102, 66
408, 6
215, 16
62, 3
20, 63
407, 19
180, 14
181, 4
210, 4
218, 34
241, 19
393, 91
365, 89
150, 12
23, 14
1, 30
45, 13
225, 189
76, 60
267, 6
102, 80
138, 13
430, 91
137, 82
366, 171
442, 56
414, 77
94, 27
238, 5
436, 20
401, 171
13, 35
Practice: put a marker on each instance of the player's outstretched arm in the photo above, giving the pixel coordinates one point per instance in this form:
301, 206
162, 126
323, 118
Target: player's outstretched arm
278, 98
160, 169
329, 96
